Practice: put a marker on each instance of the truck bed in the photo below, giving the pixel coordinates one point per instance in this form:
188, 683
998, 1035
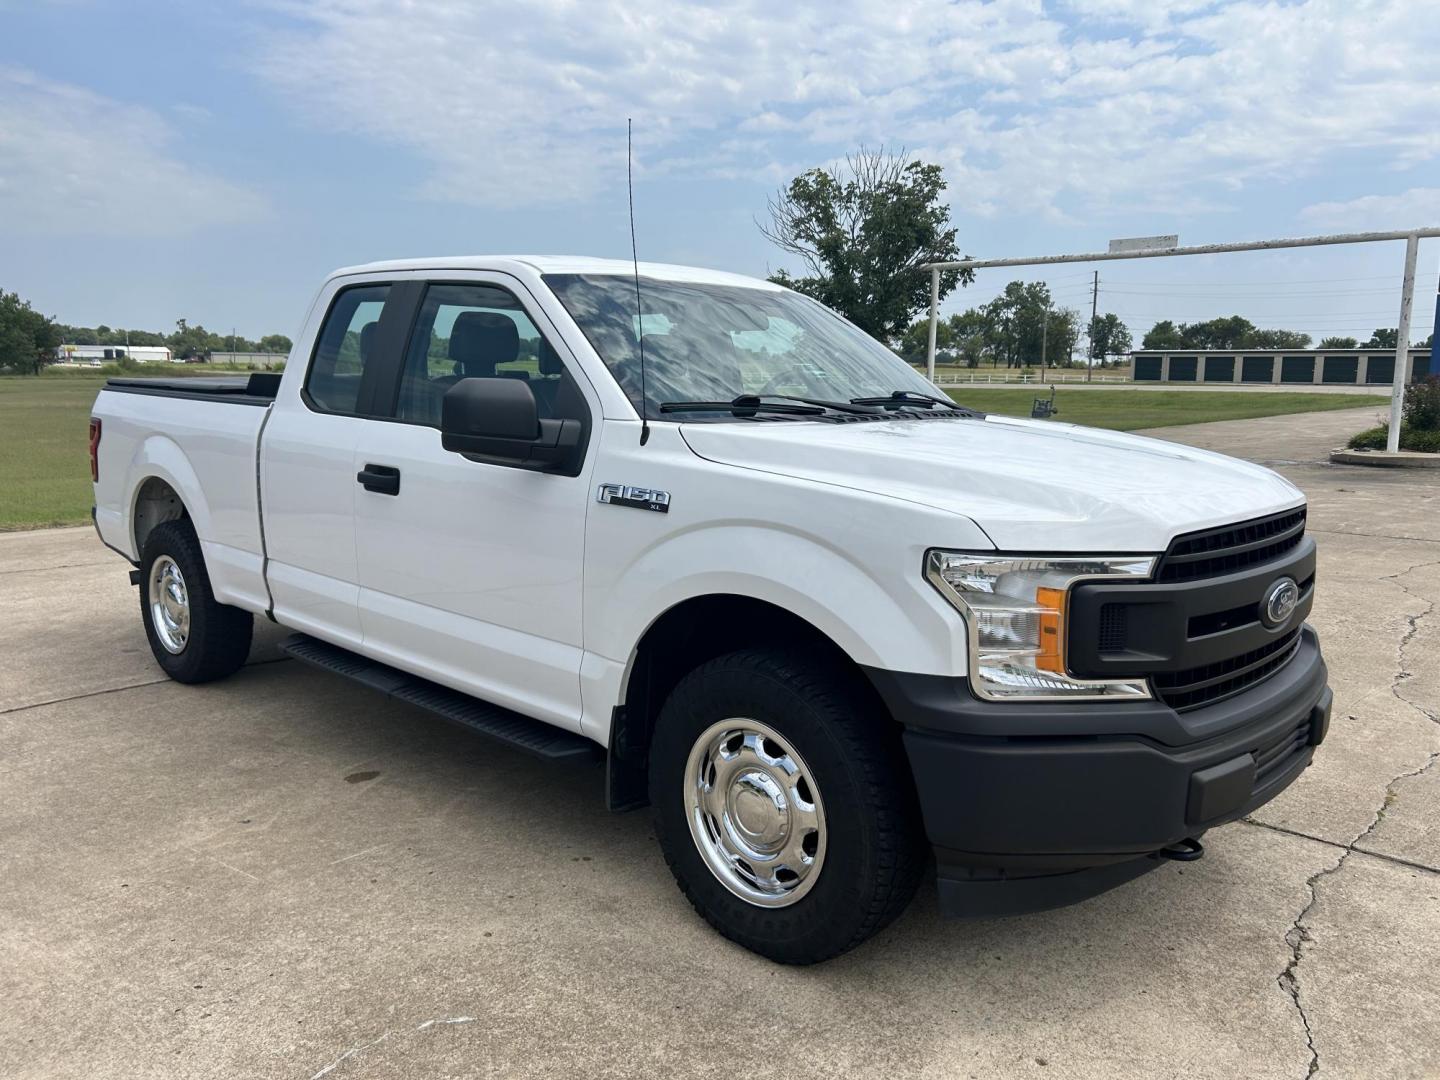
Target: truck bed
258, 388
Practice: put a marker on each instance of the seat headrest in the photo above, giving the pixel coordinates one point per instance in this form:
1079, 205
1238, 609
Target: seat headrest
367, 339
550, 363
481, 339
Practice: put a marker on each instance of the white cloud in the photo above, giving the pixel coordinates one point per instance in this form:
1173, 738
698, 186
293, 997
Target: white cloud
1417, 208
77, 163
1110, 106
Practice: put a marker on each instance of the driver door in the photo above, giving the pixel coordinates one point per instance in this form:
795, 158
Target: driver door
469, 572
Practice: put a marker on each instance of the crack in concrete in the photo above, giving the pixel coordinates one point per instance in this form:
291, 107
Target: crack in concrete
1299, 934
385, 1035
121, 689
1371, 852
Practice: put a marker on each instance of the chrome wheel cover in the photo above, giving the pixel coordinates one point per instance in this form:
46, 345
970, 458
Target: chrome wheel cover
755, 812
169, 604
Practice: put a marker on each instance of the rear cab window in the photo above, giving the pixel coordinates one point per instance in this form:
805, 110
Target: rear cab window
345, 349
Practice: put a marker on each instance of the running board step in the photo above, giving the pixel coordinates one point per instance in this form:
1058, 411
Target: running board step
533, 736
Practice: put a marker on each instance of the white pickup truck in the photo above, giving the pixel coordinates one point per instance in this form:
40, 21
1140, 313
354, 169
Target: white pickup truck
827, 622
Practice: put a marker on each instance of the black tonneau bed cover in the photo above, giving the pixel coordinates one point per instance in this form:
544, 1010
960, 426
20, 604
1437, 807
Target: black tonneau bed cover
258, 388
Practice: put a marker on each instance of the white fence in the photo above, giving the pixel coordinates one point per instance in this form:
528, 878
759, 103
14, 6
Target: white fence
1017, 378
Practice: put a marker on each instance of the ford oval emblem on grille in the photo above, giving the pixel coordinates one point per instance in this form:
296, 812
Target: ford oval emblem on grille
1279, 603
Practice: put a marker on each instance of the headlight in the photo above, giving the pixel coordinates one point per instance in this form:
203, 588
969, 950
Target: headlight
1015, 609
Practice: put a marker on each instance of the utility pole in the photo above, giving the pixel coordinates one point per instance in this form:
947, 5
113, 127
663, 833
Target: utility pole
1044, 340
1090, 337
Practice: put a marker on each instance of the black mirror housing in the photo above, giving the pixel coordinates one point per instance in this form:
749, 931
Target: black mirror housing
496, 421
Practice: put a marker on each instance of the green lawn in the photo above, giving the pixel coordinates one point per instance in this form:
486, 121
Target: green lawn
44, 431
1128, 410
45, 475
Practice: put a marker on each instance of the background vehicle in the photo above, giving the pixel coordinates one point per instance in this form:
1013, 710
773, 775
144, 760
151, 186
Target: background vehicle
824, 620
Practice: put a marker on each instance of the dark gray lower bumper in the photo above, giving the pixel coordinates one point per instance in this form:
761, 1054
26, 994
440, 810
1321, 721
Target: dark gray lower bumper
1037, 806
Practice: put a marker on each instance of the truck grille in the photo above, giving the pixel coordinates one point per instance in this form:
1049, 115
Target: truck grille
1232, 547
1204, 685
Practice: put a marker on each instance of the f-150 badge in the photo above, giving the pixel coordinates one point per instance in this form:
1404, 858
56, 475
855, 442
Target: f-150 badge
637, 497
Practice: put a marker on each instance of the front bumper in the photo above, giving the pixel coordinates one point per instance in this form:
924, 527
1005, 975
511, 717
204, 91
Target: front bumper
1036, 806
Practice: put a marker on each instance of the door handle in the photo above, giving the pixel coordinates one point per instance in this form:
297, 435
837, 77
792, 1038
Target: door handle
382, 479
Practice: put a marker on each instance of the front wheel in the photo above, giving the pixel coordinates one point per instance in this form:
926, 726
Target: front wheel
193, 637
784, 806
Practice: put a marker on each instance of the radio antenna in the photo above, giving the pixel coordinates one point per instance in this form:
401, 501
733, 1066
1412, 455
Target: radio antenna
635, 262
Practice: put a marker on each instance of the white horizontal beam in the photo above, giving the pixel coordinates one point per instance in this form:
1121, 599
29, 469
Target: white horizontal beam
1201, 249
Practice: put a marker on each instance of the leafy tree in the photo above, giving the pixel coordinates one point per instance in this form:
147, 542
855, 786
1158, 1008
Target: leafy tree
863, 229
1163, 335
1383, 339
1108, 336
968, 332
1338, 343
191, 341
914, 343
275, 343
28, 339
1011, 328
1277, 339
1226, 332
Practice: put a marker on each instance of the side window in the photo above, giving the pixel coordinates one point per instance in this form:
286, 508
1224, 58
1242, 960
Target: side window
345, 345
479, 331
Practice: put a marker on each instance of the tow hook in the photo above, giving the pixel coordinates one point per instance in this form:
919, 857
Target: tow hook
1187, 850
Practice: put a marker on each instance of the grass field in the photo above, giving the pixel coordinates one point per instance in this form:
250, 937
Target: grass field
45, 475
44, 428
1129, 410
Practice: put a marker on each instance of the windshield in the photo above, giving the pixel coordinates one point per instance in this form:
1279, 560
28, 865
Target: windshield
719, 342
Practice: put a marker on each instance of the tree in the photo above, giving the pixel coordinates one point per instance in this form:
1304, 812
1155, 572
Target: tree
1019, 327
1383, 339
1226, 332
28, 339
1277, 339
1108, 336
275, 343
1016, 323
1338, 343
188, 341
863, 230
1163, 335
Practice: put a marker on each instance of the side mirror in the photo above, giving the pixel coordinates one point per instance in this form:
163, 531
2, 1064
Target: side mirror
496, 421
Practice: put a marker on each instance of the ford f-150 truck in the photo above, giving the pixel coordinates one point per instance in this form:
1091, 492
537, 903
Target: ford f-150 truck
828, 622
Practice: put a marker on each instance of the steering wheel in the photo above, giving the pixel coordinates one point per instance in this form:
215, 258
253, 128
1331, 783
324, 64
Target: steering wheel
778, 379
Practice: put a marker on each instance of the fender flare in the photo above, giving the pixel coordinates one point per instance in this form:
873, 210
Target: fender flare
160, 457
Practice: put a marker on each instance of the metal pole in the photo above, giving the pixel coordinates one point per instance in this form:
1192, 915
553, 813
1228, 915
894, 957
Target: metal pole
1202, 249
1044, 340
934, 319
1402, 343
1090, 337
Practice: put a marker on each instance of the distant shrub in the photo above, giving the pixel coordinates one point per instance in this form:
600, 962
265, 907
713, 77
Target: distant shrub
1422, 405
1427, 442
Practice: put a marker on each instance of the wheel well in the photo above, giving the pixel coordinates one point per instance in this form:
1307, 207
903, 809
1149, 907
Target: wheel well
156, 502
682, 639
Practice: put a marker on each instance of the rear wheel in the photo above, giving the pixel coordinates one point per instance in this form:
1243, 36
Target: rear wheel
784, 806
194, 638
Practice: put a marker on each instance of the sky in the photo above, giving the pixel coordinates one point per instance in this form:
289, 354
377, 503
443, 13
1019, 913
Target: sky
213, 161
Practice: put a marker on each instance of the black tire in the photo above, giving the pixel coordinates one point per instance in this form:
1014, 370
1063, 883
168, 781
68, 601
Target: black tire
218, 640
875, 849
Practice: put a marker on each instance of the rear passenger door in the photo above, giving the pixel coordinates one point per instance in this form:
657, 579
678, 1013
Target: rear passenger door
470, 573
307, 454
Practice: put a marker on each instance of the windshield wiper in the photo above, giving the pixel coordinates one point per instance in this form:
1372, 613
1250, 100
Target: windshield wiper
901, 398
747, 404
742, 405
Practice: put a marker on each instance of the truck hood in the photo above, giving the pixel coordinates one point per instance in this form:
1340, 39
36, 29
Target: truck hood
1030, 485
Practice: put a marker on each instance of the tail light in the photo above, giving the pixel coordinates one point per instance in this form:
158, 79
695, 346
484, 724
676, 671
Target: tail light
94, 448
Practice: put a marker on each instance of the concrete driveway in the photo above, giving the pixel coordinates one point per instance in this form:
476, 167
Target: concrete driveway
282, 875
